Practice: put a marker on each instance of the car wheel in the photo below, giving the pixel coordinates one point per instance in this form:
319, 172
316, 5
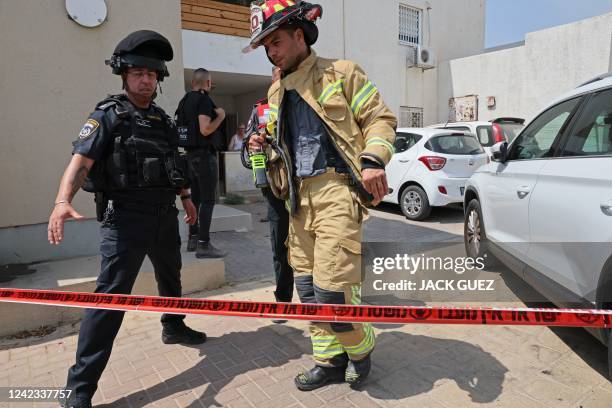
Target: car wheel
475, 236
415, 204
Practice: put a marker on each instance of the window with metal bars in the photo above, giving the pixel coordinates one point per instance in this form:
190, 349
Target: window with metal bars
409, 25
410, 117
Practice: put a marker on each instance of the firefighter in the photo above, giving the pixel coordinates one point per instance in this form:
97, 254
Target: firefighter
335, 136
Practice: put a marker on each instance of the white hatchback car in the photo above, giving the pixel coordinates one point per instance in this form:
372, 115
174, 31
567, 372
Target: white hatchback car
544, 205
430, 168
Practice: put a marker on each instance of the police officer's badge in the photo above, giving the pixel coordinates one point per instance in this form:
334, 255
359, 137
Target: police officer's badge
89, 128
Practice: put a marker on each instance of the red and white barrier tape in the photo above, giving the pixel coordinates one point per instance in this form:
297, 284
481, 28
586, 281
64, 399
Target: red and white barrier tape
316, 312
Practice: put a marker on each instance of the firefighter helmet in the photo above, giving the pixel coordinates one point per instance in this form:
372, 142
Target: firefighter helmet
269, 15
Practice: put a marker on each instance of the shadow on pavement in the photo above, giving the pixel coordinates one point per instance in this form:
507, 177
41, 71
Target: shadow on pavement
474, 370
401, 368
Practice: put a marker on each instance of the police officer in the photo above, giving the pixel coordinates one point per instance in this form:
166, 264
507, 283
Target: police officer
199, 120
127, 154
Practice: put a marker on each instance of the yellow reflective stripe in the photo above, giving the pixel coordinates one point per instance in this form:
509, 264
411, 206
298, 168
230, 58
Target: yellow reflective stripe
324, 337
366, 344
326, 346
381, 141
330, 90
327, 355
271, 127
356, 295
362, 96
324, 342
278, 7
337, 348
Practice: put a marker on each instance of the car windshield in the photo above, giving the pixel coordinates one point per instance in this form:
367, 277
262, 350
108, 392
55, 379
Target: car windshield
511, 130
454, 144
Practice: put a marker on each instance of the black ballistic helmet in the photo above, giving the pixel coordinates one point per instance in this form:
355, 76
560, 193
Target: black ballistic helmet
142, 49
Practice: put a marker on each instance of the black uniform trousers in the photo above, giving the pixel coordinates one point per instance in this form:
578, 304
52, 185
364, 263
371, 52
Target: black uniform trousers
127, 236
279, 228
204, 169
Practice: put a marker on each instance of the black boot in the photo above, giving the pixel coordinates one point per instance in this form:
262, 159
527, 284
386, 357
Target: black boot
319, 376
207, 250
357, 371
181, 334
192, 243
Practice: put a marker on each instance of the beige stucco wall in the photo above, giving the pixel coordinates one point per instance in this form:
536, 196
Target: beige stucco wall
52, 74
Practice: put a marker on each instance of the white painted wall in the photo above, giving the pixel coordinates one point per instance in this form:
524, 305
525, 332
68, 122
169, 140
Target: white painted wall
525, 79
222, 53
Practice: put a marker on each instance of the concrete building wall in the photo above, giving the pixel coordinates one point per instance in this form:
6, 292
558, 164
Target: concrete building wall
524, 79
52, 74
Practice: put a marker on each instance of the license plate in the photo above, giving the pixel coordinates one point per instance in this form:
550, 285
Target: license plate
462, 189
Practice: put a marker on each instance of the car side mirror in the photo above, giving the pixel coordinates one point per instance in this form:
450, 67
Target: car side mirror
499, 152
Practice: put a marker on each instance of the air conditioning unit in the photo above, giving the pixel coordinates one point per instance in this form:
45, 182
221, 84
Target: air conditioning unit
425, 58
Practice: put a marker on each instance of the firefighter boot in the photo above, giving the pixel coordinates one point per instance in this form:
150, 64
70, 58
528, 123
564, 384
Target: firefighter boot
357, 371
318, 376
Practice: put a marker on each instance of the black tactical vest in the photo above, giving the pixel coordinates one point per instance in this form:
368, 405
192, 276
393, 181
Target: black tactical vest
144, 153
187, 123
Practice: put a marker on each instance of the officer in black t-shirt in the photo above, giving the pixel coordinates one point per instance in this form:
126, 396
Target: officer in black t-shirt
198, 120
127, 153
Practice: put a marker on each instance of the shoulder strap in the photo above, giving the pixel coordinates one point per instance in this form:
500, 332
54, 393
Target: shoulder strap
117, 103
179, 113
123, 108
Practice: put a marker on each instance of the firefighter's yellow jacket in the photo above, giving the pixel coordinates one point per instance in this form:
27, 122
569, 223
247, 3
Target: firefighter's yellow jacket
358, 122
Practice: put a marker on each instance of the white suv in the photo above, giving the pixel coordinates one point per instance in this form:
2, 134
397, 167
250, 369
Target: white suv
544, 205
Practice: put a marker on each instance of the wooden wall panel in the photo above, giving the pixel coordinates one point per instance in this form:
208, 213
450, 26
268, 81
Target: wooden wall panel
215, 17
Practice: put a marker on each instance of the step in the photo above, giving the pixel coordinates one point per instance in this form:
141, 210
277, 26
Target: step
27, 244
80, 274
